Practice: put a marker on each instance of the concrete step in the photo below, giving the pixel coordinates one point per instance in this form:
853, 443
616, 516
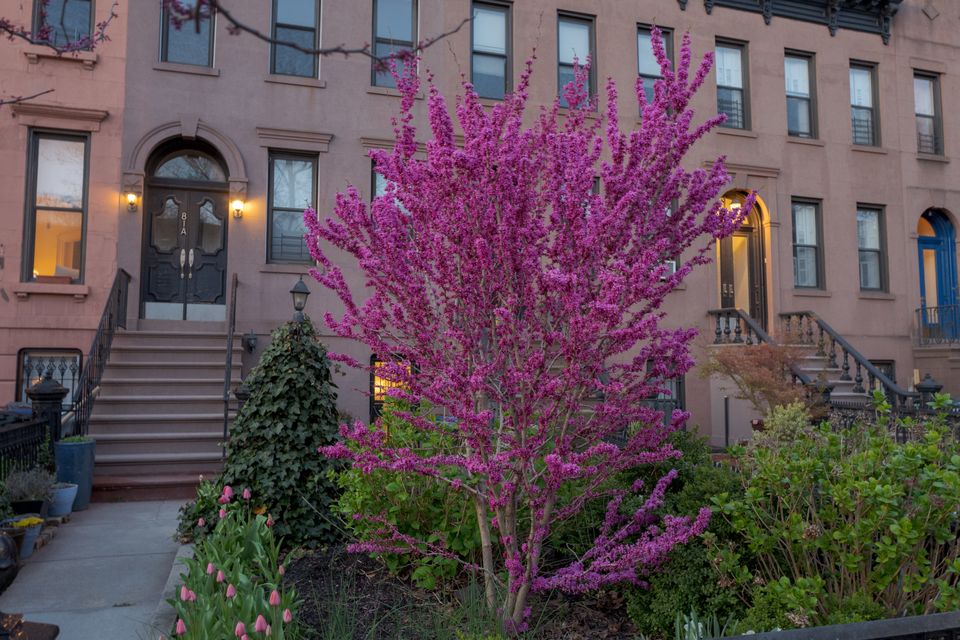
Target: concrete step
211, 385
157, 463
143, 486
170, 354
209, 442
166, 423
172, 339
167, 369
156, 404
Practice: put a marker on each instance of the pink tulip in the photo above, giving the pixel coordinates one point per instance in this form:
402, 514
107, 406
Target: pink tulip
231, 591
246, 493
210, 568
201, 522
245, 637
287, 615
227, 492
223, 513
269, 521
281, 569
268, 630
181, 627
240, 630
260, 625
184, 593
274, 598
223, 499
220, 576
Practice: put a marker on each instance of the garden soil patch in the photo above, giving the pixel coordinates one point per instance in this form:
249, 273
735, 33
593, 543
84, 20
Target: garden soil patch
335, 584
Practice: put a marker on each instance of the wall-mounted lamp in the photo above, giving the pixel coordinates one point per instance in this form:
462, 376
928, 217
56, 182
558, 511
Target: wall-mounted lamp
237, 207
131, 202
299, 293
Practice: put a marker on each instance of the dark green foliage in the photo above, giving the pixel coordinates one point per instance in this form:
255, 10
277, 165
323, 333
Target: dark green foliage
417, 506
291, 411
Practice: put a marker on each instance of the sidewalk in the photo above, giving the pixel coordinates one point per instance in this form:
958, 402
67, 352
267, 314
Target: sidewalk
103, 573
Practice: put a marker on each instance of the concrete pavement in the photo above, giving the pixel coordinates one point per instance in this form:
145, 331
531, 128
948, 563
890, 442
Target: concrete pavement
103, 574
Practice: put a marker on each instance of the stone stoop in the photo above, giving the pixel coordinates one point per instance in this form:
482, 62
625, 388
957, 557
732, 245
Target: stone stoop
818, 367
158, 419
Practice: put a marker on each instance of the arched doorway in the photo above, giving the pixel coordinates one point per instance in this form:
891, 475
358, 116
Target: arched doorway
937, 257
742, 273
184, 257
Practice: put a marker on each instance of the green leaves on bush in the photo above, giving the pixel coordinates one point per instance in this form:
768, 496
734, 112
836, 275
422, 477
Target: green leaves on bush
291, 411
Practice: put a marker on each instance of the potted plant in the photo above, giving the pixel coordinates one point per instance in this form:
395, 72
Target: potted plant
74, 457
31, 525
62, 495
28, 491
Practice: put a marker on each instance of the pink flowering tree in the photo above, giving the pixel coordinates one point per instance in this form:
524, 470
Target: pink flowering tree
526, 306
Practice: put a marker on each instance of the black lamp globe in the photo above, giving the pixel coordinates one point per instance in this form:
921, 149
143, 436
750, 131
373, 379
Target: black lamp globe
299, 293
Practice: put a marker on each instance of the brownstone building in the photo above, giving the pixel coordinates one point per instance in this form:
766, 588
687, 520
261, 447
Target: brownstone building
839, 117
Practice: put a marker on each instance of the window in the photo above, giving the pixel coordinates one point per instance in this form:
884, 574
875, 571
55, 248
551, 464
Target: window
295, 21
56, 208
731, 84
490, 62
647, 66
381, 385
926, 96
799, 76
806, 245
293, 185
870, 241
862, 98
394, 29
64, 366
574, 43
189, 43
61, 22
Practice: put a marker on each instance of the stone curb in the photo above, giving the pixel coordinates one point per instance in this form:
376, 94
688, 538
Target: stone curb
165, 616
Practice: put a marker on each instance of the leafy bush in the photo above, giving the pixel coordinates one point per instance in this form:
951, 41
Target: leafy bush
415, 505
760, 373
198, 518
852, 514
234, 580
783, 426
29, 485
292, 410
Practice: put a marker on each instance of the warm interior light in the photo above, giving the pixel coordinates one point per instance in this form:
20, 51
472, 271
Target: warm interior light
237, 206
131, 201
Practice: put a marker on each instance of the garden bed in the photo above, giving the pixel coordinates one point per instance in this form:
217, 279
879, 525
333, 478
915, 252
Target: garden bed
353, 595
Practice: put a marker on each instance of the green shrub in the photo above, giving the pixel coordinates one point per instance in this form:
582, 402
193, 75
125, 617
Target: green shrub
235, 577
415, 505
783, 425
291, 411
873, 520
198, 518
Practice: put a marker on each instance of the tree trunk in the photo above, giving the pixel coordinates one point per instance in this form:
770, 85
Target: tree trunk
487, 550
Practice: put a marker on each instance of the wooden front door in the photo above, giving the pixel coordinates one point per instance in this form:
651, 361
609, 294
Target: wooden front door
184, 254
741, 274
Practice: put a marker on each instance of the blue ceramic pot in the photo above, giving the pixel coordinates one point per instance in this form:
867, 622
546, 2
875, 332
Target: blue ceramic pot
61, 501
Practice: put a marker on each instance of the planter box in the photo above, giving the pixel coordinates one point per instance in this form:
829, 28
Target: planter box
935, 626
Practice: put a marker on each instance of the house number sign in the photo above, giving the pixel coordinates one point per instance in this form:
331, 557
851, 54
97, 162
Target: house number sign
183, 223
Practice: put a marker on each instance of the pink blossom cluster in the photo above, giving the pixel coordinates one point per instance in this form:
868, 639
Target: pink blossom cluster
526, 306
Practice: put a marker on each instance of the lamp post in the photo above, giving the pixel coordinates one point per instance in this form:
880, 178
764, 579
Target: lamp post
299, 293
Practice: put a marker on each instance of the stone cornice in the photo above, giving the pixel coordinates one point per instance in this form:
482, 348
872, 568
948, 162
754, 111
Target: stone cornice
294, 139
38, 114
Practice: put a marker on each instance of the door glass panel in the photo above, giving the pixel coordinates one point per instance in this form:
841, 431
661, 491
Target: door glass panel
930, 277
163, 236
741, 272
211, 229
191, 165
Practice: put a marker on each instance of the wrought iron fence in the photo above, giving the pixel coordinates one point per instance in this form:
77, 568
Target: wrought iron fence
22, 442
938, 325
63, 365
228, 366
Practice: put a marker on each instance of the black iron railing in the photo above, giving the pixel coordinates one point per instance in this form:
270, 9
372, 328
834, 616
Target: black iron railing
114, 317
22, 442
806, 327
228, 368
62, 365
733, 326
938, 325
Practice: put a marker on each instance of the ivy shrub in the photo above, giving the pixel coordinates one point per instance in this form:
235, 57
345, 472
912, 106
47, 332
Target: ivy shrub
292, 410
415, 505
846, 526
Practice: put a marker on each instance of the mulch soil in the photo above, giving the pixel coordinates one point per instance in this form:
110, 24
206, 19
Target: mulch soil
383, 606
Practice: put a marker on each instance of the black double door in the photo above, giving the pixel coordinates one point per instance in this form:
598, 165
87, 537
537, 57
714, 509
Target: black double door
184, 254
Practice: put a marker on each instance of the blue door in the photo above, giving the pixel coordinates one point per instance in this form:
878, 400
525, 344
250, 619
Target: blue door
939, 316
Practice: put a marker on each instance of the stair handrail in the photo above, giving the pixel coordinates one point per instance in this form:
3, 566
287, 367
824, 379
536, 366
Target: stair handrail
873, 372
753, 328
114, 316
228, 368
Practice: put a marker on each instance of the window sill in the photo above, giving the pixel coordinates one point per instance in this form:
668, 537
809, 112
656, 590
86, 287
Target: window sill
23, 290
191, 69
812, 142
737, 133
389, 91
877, 295
591, 114
811, 293
865, 149
490, 102
299, 81
293, 268
930, 157
34, 52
